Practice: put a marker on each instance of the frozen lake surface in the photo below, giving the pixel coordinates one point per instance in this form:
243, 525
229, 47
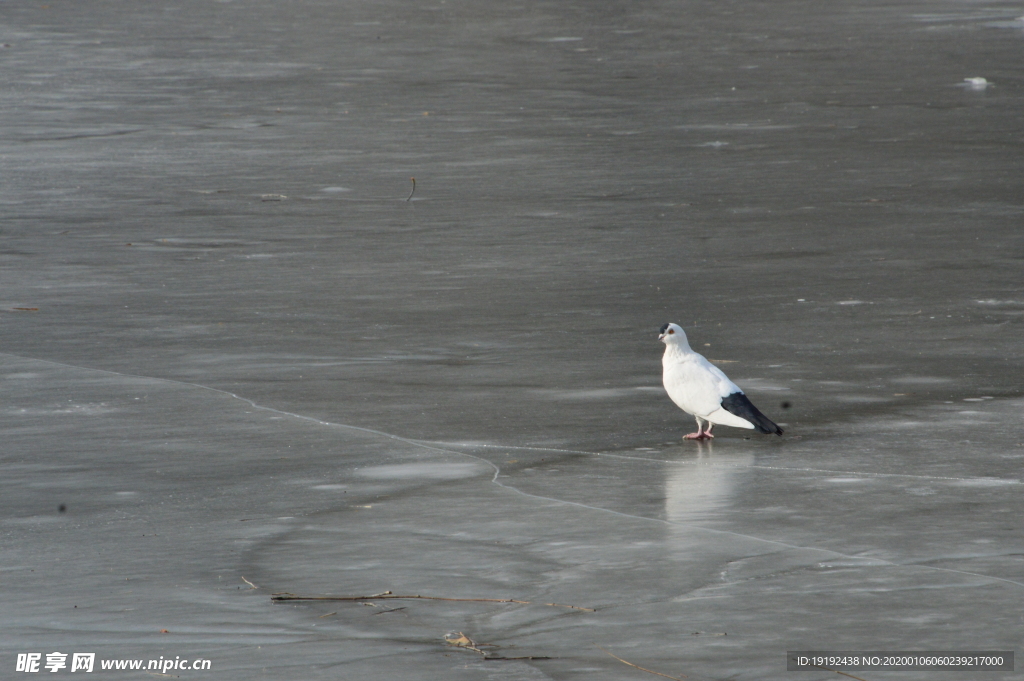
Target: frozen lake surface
235, 360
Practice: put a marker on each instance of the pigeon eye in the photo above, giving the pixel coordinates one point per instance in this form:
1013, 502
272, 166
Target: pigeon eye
671, 330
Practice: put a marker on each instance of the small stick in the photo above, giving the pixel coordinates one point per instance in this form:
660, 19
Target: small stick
328, 614
389, 610
641, 668
838, 672
409, 198
249, 583
562, 605
284, 596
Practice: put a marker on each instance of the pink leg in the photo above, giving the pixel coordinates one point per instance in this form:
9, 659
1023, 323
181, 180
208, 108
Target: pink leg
701, 434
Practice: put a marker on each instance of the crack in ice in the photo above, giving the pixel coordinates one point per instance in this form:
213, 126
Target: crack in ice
425, 444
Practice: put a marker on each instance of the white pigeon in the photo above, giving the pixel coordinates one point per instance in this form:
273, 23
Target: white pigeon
700, 388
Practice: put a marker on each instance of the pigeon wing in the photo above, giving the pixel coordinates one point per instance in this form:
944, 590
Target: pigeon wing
739, 405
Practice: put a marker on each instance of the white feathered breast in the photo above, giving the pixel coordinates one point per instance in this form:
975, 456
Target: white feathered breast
696, 385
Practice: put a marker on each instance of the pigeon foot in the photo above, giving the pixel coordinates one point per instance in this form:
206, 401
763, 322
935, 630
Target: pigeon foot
698, 436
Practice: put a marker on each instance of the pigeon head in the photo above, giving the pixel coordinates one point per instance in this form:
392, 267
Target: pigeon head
672, 334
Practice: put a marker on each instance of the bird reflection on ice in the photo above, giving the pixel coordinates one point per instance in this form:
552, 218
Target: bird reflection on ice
697, 487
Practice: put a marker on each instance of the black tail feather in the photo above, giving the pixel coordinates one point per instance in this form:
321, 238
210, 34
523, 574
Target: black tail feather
739, 405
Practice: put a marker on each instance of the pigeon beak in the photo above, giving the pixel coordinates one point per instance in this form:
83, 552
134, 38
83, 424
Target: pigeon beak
661, 336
